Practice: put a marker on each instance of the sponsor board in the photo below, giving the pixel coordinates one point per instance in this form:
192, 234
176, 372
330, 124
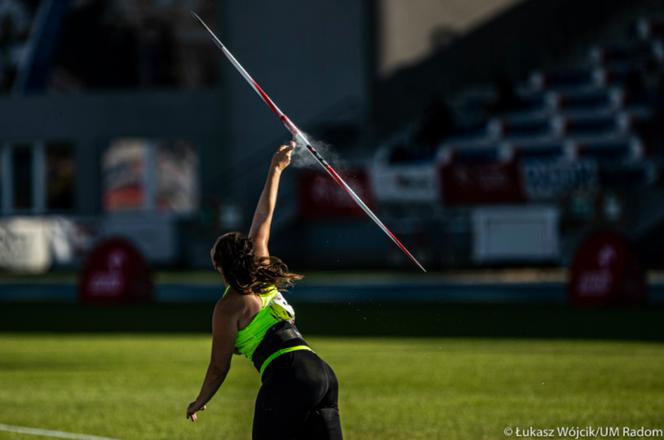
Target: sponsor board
515, 234
485, 183
25, 245
115, 272
606, 272
405, 183
320, 197
553, 180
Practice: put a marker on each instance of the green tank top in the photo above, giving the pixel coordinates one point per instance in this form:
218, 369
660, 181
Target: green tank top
274, 309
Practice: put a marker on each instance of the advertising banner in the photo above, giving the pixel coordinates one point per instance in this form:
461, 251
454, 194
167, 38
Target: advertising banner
25, 245
606, 272
320, 197
405, 183
115, 272
553, 180
515, 234
483, 183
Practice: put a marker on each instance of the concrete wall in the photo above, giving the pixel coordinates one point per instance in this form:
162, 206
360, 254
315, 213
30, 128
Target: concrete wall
407, 29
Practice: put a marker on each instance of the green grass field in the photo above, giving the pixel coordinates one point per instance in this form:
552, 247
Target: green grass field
137, 386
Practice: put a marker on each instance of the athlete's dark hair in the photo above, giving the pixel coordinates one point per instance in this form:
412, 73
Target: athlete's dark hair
235, 254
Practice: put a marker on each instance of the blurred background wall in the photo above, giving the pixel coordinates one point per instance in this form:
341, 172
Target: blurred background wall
541, 117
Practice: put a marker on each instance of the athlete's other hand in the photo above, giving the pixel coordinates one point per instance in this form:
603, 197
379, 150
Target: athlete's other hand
282, 158
193, 408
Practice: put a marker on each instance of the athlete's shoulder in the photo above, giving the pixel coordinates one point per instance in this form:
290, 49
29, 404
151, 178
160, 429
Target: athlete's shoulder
230, 304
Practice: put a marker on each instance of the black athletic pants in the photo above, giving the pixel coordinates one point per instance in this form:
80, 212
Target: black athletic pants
298, 400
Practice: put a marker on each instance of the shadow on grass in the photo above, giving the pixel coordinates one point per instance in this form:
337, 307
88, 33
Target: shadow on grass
378, 319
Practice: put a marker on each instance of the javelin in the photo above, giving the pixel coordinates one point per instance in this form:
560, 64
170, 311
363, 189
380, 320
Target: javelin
297, 134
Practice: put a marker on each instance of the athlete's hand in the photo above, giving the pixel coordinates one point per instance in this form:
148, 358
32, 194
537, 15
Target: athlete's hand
282, 158
193, 408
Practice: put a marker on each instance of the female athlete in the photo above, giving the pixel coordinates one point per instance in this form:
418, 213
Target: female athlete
298, 397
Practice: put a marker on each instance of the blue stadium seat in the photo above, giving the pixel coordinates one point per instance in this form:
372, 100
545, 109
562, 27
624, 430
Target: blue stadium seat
635, 174
590, 126
610, 149
563, 78
650, 28
630, 100
469, 131
472, 104
478, 155
617, 75
633, 52
596, 99
537, 126
533, 104
550, 150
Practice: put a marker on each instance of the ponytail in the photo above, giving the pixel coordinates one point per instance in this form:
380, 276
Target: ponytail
234, 253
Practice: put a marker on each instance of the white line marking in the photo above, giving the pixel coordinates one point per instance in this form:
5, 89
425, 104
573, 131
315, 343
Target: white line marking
49, 433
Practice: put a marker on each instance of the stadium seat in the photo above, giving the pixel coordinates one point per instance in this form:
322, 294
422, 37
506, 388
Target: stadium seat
469, 131
634, 122
616, 150
512, 128
562, 79
481, 154
472, 104
635, 174
650, 28
588, 126
617, 75
549, 150
633, 52
594, 99
633, 101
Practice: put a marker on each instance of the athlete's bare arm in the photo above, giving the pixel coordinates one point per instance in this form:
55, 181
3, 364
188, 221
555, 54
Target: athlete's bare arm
224, 329
260, 226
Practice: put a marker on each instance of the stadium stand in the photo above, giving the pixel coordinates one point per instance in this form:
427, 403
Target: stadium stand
603, 104
586, 127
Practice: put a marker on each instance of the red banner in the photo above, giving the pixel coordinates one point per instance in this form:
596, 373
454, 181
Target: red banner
115, 272
485, 183
320, 197
606, 272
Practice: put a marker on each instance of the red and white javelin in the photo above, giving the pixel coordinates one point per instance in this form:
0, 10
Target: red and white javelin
297, 134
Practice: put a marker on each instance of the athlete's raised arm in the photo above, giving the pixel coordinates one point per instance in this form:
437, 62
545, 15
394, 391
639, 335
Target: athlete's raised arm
260, 226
